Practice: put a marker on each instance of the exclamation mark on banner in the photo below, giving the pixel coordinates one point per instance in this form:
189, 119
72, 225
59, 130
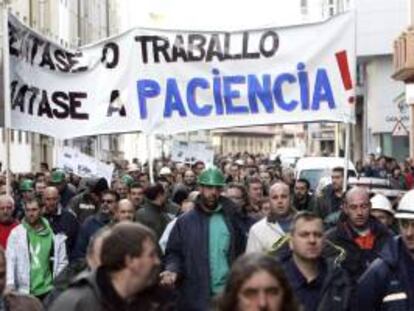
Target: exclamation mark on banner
342, 60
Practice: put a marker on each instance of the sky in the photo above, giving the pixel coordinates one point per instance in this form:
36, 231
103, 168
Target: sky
211, 14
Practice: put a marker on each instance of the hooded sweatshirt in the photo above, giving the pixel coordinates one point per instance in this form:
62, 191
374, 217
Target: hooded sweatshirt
40, 251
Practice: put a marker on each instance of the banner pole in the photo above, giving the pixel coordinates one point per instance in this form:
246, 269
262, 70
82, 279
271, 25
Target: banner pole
6, 87
150, 160
347, 154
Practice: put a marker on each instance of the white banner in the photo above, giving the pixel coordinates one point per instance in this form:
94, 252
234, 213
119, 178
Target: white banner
173, 81
73, 161
191, 152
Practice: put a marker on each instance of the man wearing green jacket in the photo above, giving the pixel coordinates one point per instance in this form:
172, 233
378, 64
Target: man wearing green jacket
34, 254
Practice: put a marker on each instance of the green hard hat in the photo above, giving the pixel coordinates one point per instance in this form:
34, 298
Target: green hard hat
26, 185
127, 179
211, 177
57, 177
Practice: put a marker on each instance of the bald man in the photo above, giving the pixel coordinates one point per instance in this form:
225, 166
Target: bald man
61, 219
360, 235
7, 222
266, 232
124, 211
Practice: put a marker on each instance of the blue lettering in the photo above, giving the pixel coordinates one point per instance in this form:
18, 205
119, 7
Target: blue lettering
173, 100
322, 91
192, 104
304, 86
217, 92
261, 91
146, 89
230, 94
277, 92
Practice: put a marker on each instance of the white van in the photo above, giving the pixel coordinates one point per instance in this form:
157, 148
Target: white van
314, 169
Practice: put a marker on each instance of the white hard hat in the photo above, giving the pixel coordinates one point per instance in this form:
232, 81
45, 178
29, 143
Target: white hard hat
405, 209
381, 202
239, 162
133, 167
165, 171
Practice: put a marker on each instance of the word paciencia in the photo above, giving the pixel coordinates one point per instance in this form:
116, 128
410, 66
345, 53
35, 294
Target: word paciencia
237, 94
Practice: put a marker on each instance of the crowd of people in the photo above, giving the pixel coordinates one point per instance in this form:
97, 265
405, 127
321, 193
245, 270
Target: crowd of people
241, 235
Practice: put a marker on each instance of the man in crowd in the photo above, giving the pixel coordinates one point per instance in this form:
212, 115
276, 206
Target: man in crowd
87, 202
7, 222
319, 283
95, 222
136, 195
124, 211
27, 193
129, 265
328, 204
190, 181
12, 301
121, 187
266, 232
360, 235
199, 167
154, 214
302, 199
39, 188
34, 254
203, 244
66, 192
382, 210
60, 219
255, 192
388, 284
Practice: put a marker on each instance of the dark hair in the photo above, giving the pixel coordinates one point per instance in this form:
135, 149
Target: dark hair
101, 233
135, 185
113, 193
253, 180
305, 181
305, 215
338, 169
243, 269
125, 239
153, 191
243, 190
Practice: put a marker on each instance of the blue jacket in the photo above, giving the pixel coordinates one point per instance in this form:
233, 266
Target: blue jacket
386, 279
187, 253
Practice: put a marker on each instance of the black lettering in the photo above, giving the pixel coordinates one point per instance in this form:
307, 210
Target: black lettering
161, 46
18, 101
114, 104
35, 91
178, 50
73, 60
36, 43
60, 99
44, 106
61, 61
245, 50
115, 55
214, 49
274, 43
13, 38
144, 51
13, 87
227, 41
46, 58
74, 103
196, 43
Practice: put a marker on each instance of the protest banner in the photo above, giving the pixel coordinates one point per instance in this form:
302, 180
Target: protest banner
190, 152
166, 82
73, 161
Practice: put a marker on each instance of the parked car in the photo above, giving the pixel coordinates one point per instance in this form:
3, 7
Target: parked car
315, 168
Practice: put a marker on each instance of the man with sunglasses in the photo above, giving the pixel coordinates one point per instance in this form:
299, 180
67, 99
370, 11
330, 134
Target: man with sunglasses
360, 235
388, 284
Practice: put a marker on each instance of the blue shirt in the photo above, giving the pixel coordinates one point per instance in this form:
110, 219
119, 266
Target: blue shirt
308, 294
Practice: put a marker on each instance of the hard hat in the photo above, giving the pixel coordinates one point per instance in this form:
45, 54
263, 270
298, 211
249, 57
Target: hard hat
380, 202
26, 185
165, 171
239, 162
57, 177
405, 209
211, 177
127, 179
133, 168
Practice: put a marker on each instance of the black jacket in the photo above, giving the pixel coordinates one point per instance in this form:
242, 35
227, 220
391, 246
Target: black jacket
153, 216
387, 277
356, 259
94, 291
187, 253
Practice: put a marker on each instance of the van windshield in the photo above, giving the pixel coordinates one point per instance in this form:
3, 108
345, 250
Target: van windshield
313, 176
